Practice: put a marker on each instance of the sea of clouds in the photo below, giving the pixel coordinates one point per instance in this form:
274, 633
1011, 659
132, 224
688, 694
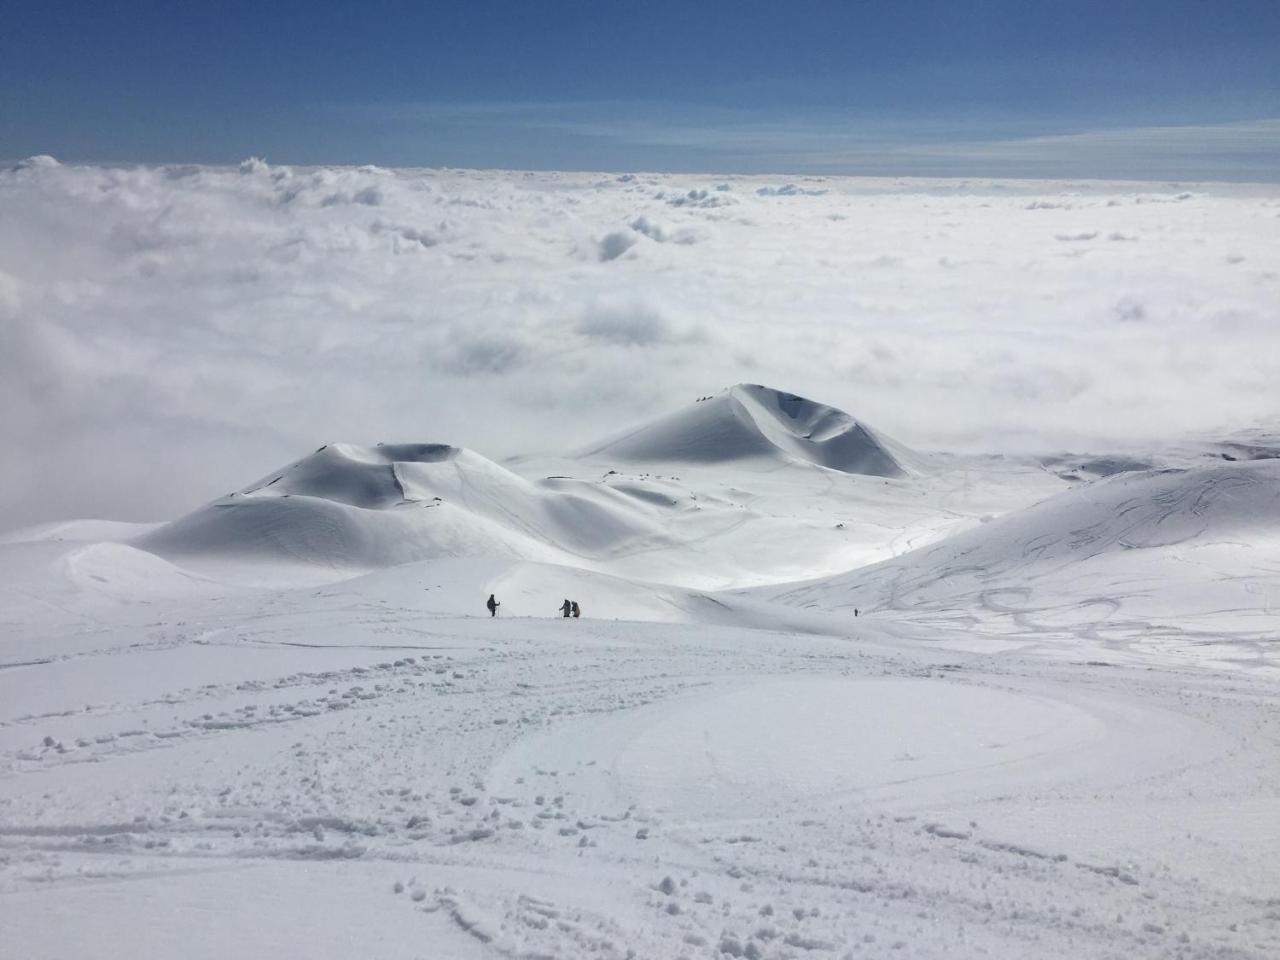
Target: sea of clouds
168, 334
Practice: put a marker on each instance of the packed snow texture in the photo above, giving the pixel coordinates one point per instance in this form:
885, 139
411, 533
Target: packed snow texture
285, 725
216, 320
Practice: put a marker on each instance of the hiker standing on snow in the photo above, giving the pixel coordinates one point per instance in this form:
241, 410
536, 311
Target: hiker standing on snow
577, 610
566, 607
493, 606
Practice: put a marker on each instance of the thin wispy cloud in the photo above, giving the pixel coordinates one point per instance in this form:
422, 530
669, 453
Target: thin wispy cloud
746, 87
708, 138
1230, 151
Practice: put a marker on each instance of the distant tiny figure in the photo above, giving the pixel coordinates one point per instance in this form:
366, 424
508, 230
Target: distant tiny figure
855, 611
493, 606
577, 610
566, 608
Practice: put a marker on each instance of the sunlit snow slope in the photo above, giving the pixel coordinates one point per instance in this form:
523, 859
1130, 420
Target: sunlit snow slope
1184, 560
286, 725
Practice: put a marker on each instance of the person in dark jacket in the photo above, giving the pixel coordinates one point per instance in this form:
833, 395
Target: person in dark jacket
493, 606
566, 607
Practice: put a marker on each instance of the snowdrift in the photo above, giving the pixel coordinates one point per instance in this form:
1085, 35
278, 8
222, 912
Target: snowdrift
365, 507
750, 421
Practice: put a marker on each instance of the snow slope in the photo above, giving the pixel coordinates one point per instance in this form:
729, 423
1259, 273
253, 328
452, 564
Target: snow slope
348, 506
285, 725
317, 772
726, 509
750, 421
1180, 561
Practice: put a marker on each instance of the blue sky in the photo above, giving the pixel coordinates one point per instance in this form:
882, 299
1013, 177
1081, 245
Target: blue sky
1127, 88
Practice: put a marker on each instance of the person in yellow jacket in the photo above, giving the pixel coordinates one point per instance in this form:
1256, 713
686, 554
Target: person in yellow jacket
577, 610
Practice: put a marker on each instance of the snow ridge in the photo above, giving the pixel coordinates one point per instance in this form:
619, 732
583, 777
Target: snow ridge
750, 421
1180, 561
353, 506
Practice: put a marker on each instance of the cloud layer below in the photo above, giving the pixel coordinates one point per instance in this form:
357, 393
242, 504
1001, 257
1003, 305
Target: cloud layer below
171, 333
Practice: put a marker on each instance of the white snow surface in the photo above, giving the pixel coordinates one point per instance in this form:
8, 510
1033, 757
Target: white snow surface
1186, 560
751, 421
284, 725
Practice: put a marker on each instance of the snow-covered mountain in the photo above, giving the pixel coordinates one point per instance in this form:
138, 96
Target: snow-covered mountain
353, 506
285, 725
718, 494
1051, 722
750, 422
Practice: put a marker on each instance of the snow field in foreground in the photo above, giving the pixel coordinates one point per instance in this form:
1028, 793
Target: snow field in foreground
284, 725
261, 772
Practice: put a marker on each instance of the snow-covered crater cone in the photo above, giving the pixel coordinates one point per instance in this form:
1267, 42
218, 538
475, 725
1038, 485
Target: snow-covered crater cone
750, 421
367, 477
350, 505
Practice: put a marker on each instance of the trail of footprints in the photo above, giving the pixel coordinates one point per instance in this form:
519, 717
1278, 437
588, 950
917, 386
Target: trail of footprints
789, 887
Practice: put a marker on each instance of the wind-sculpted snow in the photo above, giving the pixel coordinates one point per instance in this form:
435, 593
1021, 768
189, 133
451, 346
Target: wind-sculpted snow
688, 500
364, 477
363, 507
755, 422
